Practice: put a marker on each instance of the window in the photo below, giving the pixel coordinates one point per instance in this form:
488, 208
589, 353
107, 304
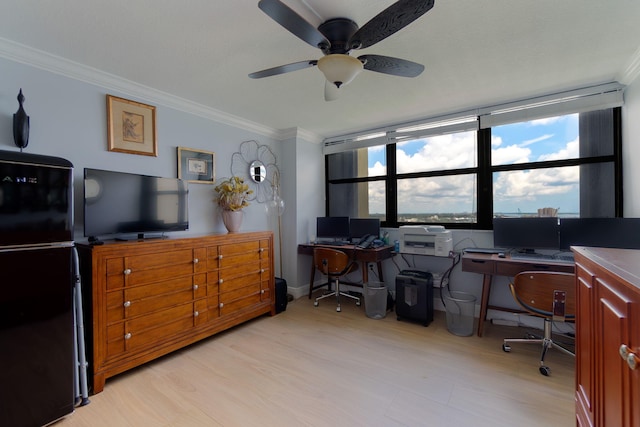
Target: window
356, 185
461, 173
436, 179
562, 165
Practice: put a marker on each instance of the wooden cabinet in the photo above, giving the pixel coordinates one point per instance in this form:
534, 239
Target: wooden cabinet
608, 337
145, 299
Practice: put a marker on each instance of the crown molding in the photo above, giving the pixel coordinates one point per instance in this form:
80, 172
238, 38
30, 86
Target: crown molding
299, 133
45, 61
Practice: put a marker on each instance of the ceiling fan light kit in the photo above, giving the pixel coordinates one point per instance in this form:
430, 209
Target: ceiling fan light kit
340, 69
338, 36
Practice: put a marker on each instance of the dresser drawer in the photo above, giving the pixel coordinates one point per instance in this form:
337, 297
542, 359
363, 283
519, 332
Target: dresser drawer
148, 330
139, 300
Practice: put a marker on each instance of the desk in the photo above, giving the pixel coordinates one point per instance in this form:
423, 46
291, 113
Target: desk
490, 265
364, 256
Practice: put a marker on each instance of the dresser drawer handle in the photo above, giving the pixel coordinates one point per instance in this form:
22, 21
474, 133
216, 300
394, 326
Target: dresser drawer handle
196, 260
262, 291
127, 304
195, 287
221, 305
127, 336
632, 361
196, 314
624, 351
628, 356
127, 271
220, 256
261, 249
262, 270
220, 281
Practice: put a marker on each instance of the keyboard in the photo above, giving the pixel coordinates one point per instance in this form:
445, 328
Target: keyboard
483, 250
335, 243
564, 257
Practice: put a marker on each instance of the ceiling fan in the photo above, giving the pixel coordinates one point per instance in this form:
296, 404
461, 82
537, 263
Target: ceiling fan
339, 36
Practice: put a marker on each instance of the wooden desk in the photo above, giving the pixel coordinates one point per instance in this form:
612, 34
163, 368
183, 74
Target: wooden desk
490, 265
364, 256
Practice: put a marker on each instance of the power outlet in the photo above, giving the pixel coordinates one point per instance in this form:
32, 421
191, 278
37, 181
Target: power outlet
437, 280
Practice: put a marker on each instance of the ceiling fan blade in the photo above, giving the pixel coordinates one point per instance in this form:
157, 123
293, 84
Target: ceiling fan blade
331, 91
390, 65
293, 22
392, 19
283, 69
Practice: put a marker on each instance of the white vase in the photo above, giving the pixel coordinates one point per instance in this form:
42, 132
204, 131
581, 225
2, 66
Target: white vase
232, 220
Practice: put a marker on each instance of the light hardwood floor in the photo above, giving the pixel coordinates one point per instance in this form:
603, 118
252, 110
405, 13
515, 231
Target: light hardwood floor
313, 366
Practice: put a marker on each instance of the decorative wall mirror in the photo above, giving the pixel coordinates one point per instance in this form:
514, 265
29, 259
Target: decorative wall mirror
257, 171
256, 164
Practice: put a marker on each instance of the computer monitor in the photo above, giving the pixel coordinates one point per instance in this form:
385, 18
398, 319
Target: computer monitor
360, 227
600, 232
332, 228
526, 234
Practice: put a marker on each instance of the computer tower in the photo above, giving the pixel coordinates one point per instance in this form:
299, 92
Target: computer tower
414, 296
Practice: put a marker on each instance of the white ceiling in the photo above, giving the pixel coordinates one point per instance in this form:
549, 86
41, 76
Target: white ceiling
476, 53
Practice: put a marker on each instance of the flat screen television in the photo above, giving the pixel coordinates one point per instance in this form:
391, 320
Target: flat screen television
526, 234
118, 204
332, 228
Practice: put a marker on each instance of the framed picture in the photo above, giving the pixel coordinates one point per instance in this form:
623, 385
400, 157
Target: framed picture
131, 127
196, 165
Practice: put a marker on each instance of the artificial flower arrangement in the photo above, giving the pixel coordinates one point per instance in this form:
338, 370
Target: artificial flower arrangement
232, 194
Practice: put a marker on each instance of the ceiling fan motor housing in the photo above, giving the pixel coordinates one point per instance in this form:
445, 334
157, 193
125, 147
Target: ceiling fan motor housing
339, 32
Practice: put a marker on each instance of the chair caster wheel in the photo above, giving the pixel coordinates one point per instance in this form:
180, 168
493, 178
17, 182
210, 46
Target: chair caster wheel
316, 303
506, 348
338, 309
545, 370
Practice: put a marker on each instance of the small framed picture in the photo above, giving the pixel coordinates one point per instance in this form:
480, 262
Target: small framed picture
131, 127
196, 166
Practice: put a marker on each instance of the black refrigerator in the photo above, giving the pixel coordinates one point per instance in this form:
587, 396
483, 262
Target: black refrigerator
36, 289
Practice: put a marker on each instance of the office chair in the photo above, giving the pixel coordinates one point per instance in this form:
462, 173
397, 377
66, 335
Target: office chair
334, 264
549, 295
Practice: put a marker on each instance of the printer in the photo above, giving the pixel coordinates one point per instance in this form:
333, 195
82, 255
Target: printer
425, 240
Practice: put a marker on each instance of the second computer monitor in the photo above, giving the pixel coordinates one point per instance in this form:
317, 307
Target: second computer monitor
601, 232
360, 227
526, 233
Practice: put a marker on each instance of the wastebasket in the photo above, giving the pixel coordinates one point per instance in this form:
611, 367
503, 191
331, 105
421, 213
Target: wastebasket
375, 300
460, 308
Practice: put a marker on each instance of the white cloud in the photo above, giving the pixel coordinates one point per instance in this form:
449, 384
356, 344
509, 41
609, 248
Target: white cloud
511, 154
440, 152
538, 139
570, 151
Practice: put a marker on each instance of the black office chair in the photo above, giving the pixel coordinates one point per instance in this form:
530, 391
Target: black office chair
549, 295
334, 264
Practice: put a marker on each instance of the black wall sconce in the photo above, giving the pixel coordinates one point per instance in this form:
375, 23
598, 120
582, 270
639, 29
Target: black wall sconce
21, 125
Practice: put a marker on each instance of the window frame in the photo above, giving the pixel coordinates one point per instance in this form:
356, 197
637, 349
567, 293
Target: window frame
484, 174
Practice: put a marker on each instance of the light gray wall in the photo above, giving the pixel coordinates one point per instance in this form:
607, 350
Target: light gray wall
631, 149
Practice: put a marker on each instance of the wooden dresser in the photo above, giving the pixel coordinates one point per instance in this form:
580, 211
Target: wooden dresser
145, 299
608, 337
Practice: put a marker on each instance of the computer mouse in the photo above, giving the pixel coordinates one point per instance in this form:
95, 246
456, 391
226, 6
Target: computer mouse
501, 255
